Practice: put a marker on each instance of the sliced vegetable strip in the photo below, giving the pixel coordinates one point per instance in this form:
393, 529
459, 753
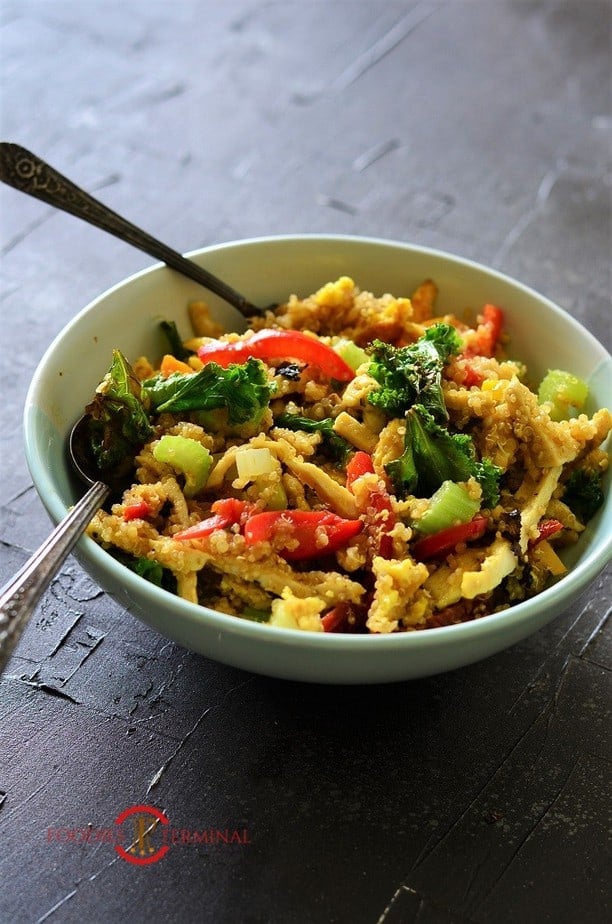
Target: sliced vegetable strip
335, 619
359, 464
137, 511
225, 513
445, 541
270, 344
546, 529
379, 502
301, 534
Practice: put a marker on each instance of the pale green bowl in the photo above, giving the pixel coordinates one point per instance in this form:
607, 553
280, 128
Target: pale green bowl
266, 271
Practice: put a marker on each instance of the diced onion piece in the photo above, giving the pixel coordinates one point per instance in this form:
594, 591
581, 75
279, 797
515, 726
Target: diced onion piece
252, 463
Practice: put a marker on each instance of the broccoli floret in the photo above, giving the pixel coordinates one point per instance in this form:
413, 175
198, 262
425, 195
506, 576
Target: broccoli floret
433, 455
411, 374
410, 380
333, 445
583, 494
243, 390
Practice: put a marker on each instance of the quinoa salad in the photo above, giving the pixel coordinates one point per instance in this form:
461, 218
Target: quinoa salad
352, 464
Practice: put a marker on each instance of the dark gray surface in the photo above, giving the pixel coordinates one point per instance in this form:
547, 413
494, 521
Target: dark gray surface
476, 126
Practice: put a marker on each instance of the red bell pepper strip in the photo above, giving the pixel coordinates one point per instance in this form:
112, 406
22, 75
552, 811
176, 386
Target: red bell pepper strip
233, 508
335, 619
445, 541
140, 510
359, 464
546, 529
205, 527
484, 339
303, 527
225, 513
378, 499
271, 344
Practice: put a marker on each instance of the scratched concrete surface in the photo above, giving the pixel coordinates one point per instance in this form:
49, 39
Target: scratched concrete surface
483, 127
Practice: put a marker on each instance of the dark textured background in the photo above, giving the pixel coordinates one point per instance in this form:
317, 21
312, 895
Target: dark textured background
478, 126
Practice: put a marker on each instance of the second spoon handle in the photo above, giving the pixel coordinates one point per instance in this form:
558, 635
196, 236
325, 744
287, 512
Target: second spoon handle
29, 174
19, 597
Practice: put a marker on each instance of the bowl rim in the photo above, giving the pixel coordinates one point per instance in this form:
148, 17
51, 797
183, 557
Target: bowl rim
593, 560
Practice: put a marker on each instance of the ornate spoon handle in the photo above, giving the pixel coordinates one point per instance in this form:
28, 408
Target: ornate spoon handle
19, 597
29, 174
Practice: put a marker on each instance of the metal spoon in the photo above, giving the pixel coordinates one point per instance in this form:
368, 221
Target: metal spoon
29, 174
19, 598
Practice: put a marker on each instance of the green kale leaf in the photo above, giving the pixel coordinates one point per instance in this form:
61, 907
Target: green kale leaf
118, 422
242, 390
432, 455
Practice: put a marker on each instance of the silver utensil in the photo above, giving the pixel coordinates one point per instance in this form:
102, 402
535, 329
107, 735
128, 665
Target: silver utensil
19, 598
21, 595
26, 172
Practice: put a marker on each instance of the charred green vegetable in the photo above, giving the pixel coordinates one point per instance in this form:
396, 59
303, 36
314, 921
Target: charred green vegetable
410, 380
413, 374
433, 455
119, 424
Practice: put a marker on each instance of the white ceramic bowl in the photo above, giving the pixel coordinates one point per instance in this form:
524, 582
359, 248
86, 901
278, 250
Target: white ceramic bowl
268, 270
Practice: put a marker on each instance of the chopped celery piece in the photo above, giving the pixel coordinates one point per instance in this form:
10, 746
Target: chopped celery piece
451, 504
352, 354
186, 456
273, 496
564, 392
